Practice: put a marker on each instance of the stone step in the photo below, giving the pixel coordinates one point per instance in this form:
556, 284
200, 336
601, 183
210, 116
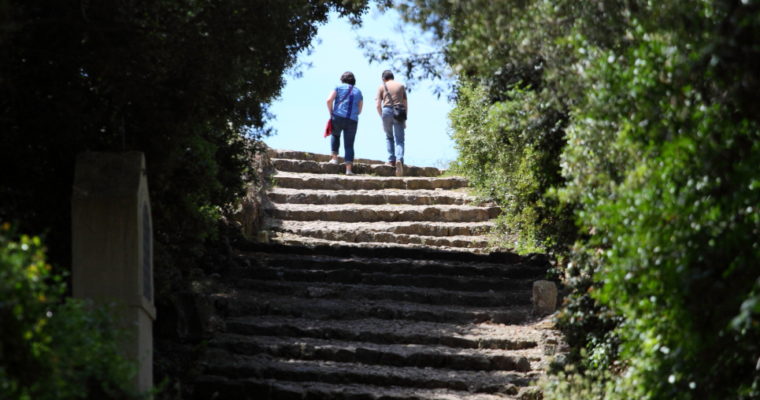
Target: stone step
363, 182
292, 240
220, 387
251, 303
307, 156
336, 233
231, 365
390, 196
328, 290
398, 355
317, 167
378, 213
335, 274
380, 331
339, 249
428, 228
521, 268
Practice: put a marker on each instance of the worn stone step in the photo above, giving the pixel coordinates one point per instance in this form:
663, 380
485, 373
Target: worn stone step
521, 268
322, 167
294, 241
329, 290
364, 182
398, 355
364, 196
377, 213
345, 249
363, 236
251, 303
304, 155
220, 387
357, 276
375, 330
220, 362
427, 228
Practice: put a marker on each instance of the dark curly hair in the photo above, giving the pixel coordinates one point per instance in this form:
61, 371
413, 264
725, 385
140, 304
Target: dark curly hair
348, 77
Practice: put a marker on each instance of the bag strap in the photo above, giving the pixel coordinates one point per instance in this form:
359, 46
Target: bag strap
389, 93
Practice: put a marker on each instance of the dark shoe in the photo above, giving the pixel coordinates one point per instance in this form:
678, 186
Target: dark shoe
399, 168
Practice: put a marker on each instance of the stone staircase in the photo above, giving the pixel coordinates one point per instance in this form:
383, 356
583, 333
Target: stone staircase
312, 202
375, 287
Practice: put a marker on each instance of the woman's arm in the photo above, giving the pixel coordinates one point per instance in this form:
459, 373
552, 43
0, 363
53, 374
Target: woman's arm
330, 100
361, 103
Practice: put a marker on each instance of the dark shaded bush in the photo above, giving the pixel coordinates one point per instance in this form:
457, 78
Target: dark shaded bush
50, 347
186, 82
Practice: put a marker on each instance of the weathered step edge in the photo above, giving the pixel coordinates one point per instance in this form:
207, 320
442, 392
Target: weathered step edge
396, 196
359, 182
218, 387
374, 330
507, 257
331, 290
318, 167
242, 366
426, 228
249, 304
373, 354
389, 237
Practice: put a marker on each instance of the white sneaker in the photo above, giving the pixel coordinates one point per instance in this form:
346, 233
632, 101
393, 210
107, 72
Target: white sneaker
350, 173
334, 161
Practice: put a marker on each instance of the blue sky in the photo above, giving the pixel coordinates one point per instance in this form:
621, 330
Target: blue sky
301, 111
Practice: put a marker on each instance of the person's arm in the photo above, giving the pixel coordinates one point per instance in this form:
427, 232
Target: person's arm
379, 98
330, 100
361, 103
406, 103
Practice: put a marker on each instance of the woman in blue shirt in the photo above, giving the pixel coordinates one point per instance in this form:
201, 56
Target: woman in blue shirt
345, 105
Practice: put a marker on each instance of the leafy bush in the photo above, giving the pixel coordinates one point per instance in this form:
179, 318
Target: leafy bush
53, 348
660, 164
675, 221
510, 152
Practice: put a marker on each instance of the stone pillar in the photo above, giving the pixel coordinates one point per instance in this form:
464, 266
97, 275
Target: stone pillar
113, 248
544, 297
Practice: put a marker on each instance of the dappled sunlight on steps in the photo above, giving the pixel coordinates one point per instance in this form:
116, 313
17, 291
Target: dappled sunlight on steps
375, 287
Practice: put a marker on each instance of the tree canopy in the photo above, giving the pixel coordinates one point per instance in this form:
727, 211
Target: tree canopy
186, 82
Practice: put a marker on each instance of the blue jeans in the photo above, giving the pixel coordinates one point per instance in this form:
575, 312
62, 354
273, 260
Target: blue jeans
348, 127
394, 136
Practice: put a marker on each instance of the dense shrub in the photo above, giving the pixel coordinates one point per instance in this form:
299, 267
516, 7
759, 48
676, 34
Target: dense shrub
671, 193
53, 348
660, 163
510, 152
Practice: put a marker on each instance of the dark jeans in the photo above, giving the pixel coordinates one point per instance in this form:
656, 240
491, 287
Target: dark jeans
347, 126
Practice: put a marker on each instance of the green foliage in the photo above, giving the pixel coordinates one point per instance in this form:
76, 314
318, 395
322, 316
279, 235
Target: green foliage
51, 348
510, 152
675, 220
661, 163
